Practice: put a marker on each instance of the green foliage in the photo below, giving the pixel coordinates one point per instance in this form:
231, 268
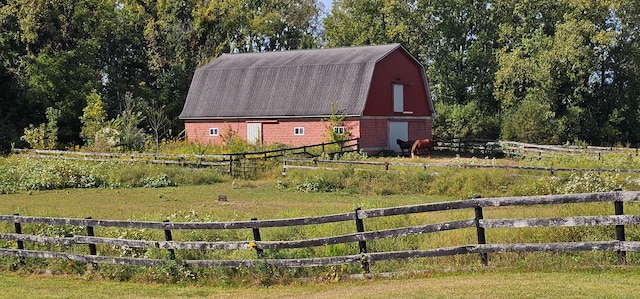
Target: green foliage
158, 181
532, 122
93, 118
336, 120
464, 121
23, 174
45, 136
127, 124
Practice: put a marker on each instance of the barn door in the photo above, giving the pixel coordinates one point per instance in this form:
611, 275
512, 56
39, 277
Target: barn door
397, 130
254, 133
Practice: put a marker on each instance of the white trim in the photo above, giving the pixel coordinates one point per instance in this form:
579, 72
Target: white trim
398, 97
339, 128
298, 131
214, 132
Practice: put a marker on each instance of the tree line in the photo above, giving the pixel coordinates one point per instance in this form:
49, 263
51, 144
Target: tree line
543, 71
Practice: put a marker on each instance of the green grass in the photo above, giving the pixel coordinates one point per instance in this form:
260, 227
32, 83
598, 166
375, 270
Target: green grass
246, 199
585, 283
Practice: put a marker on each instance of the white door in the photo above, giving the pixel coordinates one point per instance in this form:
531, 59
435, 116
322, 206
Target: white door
254, 133
397, 130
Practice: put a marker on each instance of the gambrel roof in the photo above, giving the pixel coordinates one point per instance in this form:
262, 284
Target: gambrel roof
297, 83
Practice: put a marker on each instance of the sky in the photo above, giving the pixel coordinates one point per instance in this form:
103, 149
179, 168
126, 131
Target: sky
327, 4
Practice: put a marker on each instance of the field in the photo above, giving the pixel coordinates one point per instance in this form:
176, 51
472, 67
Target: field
589, 283
274, 197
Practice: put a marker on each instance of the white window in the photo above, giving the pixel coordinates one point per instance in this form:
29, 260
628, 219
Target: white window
213, 132
298, 131
398, 97
338, 130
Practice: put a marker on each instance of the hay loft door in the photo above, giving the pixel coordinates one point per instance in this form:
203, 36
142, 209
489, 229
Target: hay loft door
254, 133
397, 130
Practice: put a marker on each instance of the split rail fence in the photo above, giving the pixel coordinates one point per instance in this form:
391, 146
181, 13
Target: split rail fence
235, 163
314, 164
21, 245
542, 151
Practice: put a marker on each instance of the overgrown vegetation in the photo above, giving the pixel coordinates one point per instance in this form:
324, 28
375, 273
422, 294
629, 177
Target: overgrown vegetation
25, 174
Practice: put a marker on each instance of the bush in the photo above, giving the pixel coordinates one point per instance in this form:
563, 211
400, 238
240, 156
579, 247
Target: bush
24, 174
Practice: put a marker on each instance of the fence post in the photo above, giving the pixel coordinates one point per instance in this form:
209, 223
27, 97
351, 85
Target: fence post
257, 238
92, 247
284, 167
619, 208
231, 165
18, 228
169, 238
362, 244
481, 234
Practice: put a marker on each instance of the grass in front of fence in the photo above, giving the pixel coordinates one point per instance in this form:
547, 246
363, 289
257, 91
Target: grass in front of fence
577, 283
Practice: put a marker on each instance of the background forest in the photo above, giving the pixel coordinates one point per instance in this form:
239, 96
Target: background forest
543, 71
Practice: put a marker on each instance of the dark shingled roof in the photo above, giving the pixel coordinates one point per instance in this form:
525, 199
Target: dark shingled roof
284, 84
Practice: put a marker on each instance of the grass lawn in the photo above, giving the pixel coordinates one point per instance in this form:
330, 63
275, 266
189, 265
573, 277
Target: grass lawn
601, 283
246, 199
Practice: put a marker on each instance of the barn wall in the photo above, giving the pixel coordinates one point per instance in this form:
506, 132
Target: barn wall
199, 131
314, 131
397, 68
374, 134
420, 129
272, 131
374, 131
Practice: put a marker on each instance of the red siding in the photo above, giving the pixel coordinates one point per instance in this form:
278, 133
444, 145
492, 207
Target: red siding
420, 129
398, 68
272, 132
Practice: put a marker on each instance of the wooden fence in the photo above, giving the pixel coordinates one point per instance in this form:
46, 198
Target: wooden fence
542, 151
234, 163
470, 145
387, 166
23, 244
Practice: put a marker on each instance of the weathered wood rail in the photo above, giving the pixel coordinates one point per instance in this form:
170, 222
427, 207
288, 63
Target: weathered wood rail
233, 163
470, 145
293, 163
542, 151
25, 243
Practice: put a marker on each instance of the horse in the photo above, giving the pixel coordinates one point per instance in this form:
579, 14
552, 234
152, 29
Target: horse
404, 145
422, 144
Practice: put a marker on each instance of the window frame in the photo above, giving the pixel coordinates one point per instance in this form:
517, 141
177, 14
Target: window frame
398, 97
214, 132
298, 131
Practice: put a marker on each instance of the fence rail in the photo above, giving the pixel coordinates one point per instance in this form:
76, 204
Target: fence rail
318, 164
537, 150
359, 236
234, 163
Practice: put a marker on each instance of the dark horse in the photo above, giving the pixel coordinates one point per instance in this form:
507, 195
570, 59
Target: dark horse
422, 144
404, 145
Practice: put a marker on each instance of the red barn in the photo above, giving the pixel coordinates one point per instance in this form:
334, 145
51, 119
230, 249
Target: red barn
288, 96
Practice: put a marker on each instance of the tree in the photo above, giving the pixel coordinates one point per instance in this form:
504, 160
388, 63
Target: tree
127, 124
44, 136
93, 118
157, 121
